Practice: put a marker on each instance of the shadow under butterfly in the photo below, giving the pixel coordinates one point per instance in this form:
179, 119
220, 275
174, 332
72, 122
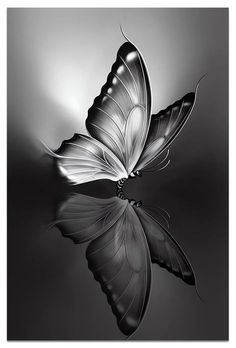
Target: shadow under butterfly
124, 238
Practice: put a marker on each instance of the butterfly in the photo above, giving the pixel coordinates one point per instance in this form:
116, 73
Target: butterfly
124, 137
123, 242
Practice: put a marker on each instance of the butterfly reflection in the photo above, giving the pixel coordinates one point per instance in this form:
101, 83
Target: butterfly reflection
124, 238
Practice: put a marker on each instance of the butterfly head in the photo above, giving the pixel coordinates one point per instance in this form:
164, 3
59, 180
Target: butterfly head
134, 203
134, 174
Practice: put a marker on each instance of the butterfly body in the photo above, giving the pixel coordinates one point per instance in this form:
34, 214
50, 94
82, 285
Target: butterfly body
120, 192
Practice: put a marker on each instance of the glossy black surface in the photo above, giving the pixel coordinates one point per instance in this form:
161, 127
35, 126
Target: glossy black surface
53, 295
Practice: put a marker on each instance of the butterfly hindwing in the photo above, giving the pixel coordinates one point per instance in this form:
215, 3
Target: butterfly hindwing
83, 218
164, 128
82, 159
120, 115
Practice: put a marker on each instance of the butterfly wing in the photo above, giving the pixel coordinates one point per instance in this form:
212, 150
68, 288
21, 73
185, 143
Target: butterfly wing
120, 115
120, 261
164, 128
164, 249
82, 159
83, 218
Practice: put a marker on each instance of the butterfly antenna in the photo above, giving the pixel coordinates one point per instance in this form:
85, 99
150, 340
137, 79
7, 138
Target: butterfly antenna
152, 168
165, 211
160, 213
198, 83
123, 33
158, 170
158, 208
48, 150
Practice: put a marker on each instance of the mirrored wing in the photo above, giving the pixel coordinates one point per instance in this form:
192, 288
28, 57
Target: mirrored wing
120, 115
83, 218
164, 249
164, 128
120, 261
82, 159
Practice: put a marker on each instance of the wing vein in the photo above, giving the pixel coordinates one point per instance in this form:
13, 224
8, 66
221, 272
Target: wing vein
118, 78
105, 263
179, 112
113, 141
171, 115
135, 83
110, 117
125, 288
118, 104
132, 301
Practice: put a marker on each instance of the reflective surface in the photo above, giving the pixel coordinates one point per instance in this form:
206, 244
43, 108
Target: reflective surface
53, 295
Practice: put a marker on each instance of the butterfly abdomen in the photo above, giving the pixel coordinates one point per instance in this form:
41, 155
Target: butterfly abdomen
121, 195
119, 190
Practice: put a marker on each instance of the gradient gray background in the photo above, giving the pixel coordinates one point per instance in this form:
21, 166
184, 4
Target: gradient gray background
58, 60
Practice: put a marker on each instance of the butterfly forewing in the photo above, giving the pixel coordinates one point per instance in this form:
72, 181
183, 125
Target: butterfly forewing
120, 261
120, 115
117, 255
82, 159
83, 218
